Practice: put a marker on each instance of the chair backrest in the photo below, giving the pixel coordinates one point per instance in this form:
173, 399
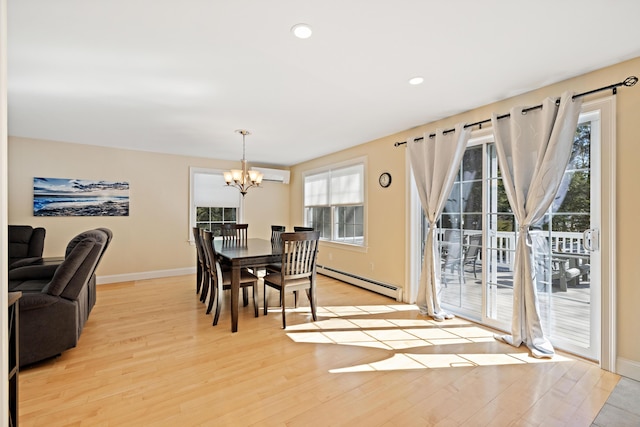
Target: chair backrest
197, 238
25, 242
234, 233
300, 228
474, 247
453, 245
276, 231
211, 258
109, 234
81, 260
299, 254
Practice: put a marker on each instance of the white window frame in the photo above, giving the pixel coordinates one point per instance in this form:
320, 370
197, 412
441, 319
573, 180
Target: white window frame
192, 207
334, 167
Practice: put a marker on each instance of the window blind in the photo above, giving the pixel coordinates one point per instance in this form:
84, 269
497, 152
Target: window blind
210, 190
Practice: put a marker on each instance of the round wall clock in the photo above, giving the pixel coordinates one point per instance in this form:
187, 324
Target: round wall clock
384, 179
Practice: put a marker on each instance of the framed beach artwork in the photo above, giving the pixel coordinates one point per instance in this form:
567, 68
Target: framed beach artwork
79, 197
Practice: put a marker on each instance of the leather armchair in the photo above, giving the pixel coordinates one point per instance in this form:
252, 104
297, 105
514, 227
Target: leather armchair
26, 245
54, 309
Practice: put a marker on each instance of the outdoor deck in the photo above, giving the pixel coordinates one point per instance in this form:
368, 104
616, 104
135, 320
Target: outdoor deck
565, 314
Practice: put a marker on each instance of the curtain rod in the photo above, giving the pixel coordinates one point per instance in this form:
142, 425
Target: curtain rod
628, 82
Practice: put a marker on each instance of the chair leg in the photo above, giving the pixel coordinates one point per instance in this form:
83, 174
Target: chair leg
255, 298
216, 315
205, 288
295, 299
284, 320
212, 297
198, 279
245, 297
264, 296
311, 293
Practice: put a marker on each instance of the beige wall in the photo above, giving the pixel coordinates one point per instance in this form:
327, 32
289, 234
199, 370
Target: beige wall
383, 259
387, 208
155, 235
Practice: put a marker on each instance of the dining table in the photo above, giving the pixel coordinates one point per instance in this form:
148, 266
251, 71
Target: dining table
250, 253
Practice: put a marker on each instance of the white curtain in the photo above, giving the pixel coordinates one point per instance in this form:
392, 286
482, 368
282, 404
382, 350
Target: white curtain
533, 150
435, 163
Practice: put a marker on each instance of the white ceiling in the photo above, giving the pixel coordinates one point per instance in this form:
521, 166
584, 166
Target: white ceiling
180, 76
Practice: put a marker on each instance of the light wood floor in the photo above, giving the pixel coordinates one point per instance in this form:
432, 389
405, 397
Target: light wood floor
150, 357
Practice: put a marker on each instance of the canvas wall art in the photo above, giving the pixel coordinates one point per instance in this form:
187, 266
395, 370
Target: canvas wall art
79, 197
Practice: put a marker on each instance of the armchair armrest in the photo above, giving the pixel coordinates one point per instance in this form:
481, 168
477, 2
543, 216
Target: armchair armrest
24, 262
35, 300
33, 272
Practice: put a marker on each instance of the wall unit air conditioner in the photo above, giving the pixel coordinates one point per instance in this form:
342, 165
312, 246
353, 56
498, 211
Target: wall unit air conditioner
274, 175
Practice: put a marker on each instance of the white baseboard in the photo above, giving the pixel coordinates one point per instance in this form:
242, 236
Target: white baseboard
628, 368
116, 278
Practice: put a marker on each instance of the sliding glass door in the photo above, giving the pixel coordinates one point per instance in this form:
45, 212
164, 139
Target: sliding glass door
477, 236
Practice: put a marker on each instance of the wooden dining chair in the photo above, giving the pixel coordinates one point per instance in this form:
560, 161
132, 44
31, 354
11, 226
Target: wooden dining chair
201, 269
276, 231
221, 280
234, 233
207, 279
300, 228
298, 270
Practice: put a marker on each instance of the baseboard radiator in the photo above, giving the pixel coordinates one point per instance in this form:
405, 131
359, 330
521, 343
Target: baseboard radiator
373, 285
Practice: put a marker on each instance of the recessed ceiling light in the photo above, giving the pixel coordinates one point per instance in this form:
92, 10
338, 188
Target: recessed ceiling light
416, 80
301, 31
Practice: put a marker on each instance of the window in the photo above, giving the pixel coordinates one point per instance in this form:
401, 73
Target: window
334, 203
210, 218
212, 202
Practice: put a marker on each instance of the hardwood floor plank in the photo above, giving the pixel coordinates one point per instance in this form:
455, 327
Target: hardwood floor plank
149, 356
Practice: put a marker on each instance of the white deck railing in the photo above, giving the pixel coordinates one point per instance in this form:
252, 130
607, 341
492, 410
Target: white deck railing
505, 245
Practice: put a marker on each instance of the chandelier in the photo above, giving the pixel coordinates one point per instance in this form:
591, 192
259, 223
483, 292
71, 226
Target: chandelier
243, 179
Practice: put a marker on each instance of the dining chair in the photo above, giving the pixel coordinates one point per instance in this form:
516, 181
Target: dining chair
298, 270
276, 240
276, 231
234, 233
207, 279
221, 280
200, 262
300, 228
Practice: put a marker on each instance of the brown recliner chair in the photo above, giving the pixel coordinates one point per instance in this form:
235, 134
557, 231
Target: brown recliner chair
26, 245
54, 309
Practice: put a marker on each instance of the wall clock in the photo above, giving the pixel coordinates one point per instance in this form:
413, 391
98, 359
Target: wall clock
385, 179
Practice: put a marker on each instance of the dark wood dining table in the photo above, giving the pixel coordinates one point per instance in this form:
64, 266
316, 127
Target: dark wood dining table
252, 253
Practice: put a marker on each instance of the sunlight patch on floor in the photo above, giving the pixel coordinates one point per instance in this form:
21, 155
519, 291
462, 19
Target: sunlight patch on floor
406, 361
398, 336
